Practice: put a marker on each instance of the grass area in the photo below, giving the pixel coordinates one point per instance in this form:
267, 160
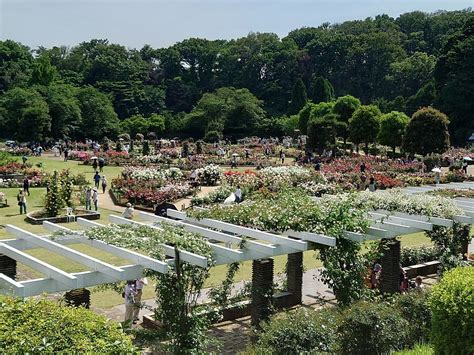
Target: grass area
419, 349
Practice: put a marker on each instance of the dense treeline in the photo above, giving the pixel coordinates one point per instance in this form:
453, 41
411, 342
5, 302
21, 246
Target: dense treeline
247, 86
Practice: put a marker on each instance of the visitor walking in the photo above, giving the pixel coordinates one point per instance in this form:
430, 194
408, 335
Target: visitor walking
139, 284
21, 198
96, 179
104, 183
238, 194
372, 184
24, 158
26, 185
88, 198
129, 295
464, 166
95, 198
283, 158
362, 168
94, 164
66, 154
128, 212
101, 164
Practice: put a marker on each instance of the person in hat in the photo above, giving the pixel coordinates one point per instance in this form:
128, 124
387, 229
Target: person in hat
21, 198
101, 164
128, 212
104, 183
88, 198
95, 198
129, 295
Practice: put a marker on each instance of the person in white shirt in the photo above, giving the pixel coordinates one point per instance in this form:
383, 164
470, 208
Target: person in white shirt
128, 212
139, 284
238, 195
129, 296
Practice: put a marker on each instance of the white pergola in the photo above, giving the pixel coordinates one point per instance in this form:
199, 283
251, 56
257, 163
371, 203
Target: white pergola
229, 242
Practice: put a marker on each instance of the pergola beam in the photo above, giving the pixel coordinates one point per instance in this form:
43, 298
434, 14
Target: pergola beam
249, 232
93, 263
46, 269
15, 287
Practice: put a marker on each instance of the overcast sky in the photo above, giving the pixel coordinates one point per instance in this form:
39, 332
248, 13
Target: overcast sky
161, 23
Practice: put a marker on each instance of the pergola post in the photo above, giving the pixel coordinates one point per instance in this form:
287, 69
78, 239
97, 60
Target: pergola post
390, 262
78, 297
8, 266
262, 290
294, 280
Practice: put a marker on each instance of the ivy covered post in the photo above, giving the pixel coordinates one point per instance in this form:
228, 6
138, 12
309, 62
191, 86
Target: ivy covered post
262, 290
390, 262
8, 266
294, 274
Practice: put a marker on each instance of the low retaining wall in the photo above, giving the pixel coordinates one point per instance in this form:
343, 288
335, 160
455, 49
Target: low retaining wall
238, 310
428, 268
91, 215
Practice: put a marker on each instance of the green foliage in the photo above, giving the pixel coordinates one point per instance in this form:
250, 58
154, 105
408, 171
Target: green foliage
304, 116
453, 76
64, 110
322, 90
372, 328
54, 201
299, 97
297, 332
452, 304
24, 115
98, 116
414, 308
418, 255
213, 136
321, 133
134, 125
345, 106
43, 72
364, 125
36, 326
392, 129
427, 132
15, 65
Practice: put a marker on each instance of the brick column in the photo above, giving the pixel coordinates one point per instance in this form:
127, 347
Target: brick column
390, 262
8, 266
294, 279
78, 297
262, 290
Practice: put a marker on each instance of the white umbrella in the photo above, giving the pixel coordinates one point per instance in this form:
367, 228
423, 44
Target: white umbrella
93, 158
235, 155
467, 158
436, 170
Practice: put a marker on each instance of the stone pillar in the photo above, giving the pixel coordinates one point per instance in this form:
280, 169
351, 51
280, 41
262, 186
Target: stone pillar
390, 262
262, 290
8, 266
78, 297
295, 277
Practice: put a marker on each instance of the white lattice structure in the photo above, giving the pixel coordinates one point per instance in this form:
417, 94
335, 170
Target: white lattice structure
224, 238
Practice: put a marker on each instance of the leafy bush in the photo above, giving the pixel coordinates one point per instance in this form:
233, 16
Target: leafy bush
372, 328
41, 326
419, 349
213, 136
418, 255
452, 304
299, 331
414, 308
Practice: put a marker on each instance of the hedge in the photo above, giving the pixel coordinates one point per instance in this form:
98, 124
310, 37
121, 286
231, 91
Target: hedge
41, 326
452, 305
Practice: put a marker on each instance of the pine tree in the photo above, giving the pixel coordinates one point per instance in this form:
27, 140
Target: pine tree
323, 91
54, 201
299, 97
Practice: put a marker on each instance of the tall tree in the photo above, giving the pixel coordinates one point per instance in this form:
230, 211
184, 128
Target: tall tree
321, 133
43, 72
64, 110
298, 97
455, 82
427, 132
25, 115
364, 125
322, 90
392, 129
15, 64
98, 116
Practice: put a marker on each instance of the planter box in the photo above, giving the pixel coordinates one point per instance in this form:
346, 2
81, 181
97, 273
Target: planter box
91, 215
428, 268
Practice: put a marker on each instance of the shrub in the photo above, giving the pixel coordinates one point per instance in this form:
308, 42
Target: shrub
414, 308
41, 326
298, 331
372, 328
452, 304
213, 136
418, 255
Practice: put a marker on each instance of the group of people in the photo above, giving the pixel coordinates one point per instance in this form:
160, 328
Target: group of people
375, 278
92, 198
133, 295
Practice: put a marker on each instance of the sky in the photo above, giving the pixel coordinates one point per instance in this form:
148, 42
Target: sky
161, 23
